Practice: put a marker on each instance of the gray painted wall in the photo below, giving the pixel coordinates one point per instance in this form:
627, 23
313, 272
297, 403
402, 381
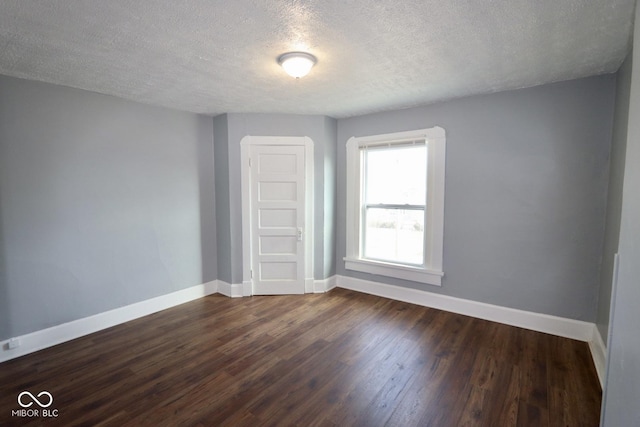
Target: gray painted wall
614, 194
100, 201
622, 389
329, 231
525, 195
322, 130
206, 191
223, 214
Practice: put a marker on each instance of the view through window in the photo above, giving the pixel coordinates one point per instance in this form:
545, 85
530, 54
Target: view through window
394, 208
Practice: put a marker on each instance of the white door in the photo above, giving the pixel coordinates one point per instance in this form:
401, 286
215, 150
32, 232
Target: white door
277, 219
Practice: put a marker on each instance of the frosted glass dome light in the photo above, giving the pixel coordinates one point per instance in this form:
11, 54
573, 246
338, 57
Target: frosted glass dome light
297, 64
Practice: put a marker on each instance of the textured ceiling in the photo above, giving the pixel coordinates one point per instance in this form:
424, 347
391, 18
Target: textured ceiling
212, 56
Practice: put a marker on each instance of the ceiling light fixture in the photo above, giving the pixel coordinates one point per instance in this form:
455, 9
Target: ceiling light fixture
297, 64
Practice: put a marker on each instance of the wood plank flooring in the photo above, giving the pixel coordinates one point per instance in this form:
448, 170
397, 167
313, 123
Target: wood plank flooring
336, 359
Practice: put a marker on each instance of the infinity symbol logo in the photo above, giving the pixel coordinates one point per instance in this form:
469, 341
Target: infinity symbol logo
35, 399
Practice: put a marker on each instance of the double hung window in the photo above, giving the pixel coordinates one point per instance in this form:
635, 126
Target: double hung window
395, 204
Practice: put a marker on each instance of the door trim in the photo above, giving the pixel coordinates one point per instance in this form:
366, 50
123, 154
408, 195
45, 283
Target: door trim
245, 149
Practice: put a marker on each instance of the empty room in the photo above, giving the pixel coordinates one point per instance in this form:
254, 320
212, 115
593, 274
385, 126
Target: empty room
319, 213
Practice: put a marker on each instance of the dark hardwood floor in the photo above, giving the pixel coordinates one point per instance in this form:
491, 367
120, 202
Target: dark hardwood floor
336, 359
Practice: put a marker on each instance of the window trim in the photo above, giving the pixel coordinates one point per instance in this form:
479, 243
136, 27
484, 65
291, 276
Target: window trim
431, 272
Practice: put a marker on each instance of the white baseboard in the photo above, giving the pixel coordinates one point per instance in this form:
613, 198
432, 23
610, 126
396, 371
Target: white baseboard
324, 285
599, 354
235, 290
569, 328
309, 284
560, 326
49, 337
247, 288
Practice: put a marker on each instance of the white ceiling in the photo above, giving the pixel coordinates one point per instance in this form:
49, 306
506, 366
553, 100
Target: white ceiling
214, 56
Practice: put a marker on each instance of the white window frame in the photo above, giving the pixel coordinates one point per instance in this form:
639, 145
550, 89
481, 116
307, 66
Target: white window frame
432, 272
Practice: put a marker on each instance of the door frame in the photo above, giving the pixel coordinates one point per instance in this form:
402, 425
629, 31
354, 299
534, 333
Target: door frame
245, 170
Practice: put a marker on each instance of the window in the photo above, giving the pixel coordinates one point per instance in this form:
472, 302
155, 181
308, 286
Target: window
395, 204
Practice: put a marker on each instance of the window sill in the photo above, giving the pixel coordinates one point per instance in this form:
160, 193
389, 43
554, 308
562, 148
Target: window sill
413, 274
